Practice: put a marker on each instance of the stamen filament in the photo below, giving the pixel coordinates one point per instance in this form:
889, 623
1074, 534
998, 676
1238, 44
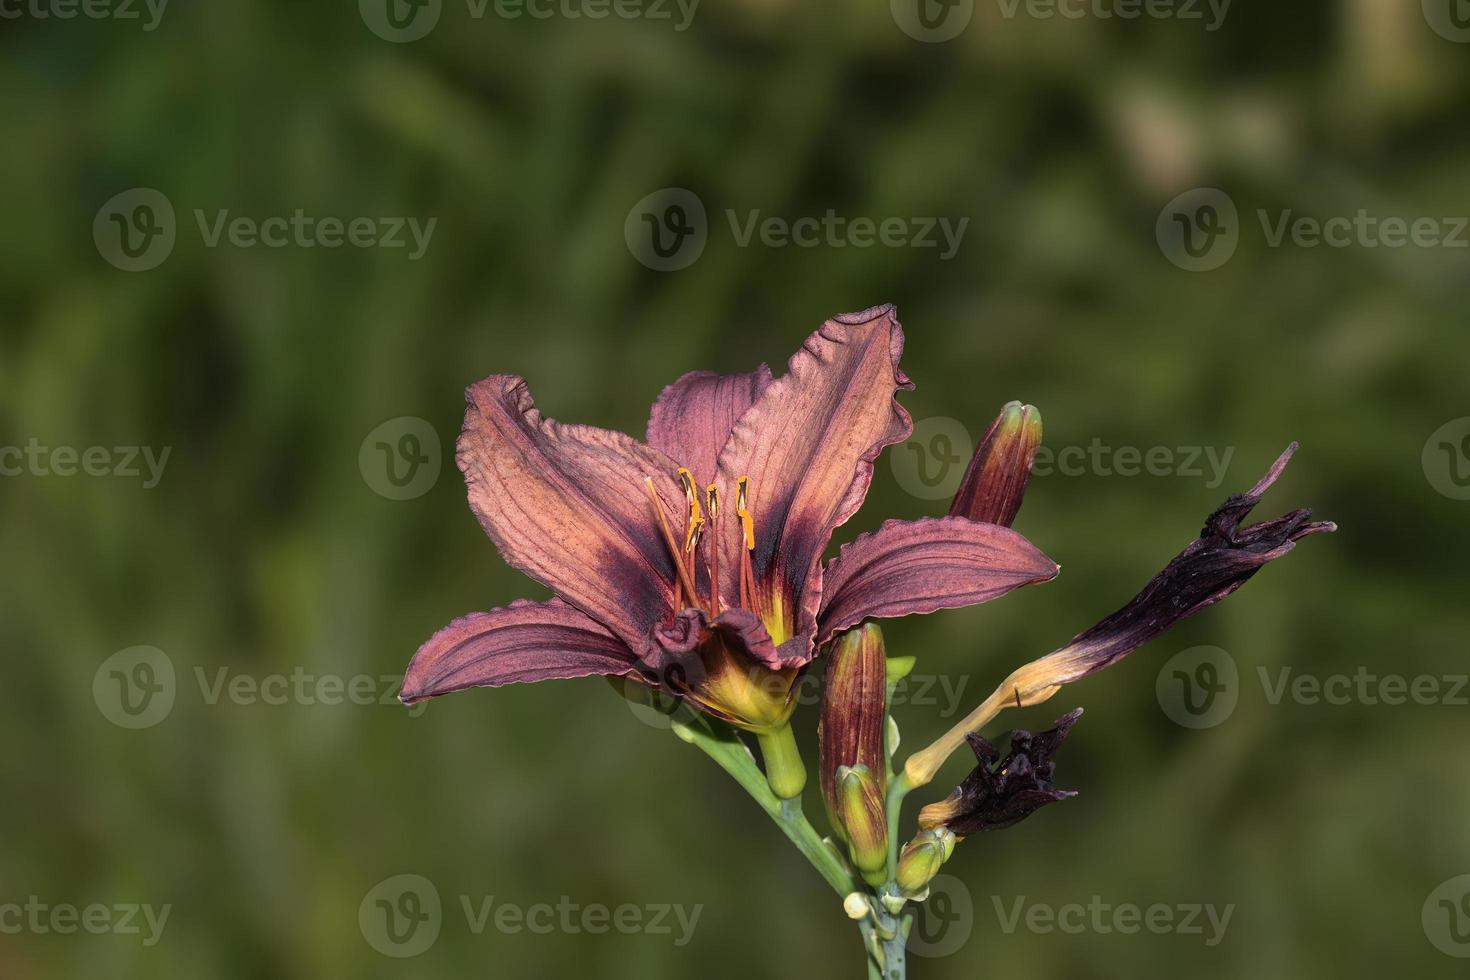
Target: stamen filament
663, 523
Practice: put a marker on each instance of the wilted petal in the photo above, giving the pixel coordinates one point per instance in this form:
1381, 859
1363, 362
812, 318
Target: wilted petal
995, 481
1221, 560
692, 418
566, 504
526, 641
807, 446
920, 566
1000, 793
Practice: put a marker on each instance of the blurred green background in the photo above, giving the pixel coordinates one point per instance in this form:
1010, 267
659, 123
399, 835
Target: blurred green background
266, 549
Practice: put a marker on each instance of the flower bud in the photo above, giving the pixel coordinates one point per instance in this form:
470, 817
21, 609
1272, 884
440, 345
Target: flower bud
862, 816
854, 705
995, 481
856, 906
921, 859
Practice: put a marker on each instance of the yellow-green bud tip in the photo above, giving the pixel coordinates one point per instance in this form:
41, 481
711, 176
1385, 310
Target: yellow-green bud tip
921, 860
860, 808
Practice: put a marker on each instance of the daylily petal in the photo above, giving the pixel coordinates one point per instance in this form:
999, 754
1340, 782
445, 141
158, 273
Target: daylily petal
525, 641
807, 446
567, 505
908, 567
692, 418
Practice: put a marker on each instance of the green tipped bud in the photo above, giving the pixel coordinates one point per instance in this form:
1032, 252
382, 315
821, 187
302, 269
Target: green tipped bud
861, 813
921, 860
995, 481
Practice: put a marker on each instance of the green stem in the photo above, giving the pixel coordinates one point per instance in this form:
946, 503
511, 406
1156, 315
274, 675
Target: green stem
897, 790
784, 769
731, 754
895, 961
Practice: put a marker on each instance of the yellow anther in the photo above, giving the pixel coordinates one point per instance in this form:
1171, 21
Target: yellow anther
686, 480
696, 517
712, 501
696, 530
747, 524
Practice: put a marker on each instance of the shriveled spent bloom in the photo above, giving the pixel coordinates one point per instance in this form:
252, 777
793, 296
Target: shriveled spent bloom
1220, 560
1003, 791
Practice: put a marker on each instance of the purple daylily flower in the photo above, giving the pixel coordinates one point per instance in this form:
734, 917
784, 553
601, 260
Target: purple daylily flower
660, 581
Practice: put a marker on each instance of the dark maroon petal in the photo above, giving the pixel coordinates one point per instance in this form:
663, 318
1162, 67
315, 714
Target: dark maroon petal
692, 418
1221, 560
526, 641
1002, 792
908, 567
737, 629
995, 481
807, 446
567, 505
